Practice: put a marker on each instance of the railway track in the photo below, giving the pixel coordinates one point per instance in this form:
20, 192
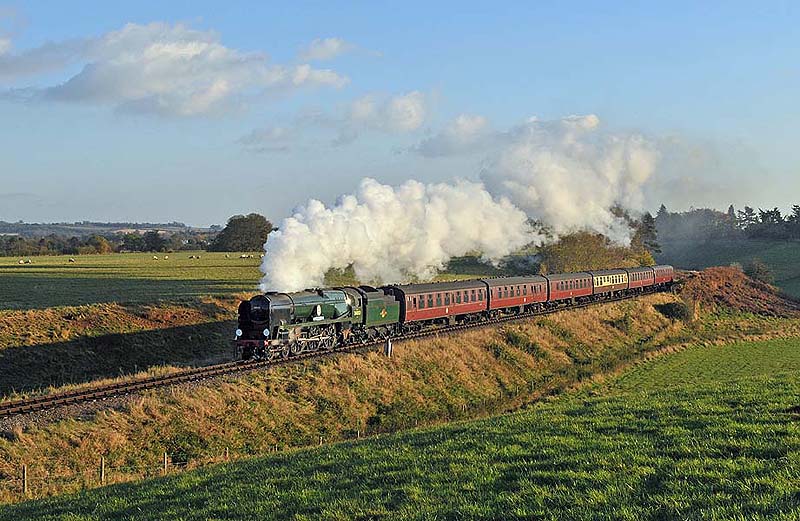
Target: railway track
93, 394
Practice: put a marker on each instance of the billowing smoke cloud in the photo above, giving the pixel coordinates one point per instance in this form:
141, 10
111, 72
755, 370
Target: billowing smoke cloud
391, 234
566, 174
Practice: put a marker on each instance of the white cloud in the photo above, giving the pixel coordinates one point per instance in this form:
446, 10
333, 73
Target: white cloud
161, 68
398, 114
465, 134
325, 49
5, 45
401, 113
270, 139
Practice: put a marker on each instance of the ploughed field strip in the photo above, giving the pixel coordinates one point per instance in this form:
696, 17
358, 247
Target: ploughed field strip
93, 394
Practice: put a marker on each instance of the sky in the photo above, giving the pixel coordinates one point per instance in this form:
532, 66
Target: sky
196, 111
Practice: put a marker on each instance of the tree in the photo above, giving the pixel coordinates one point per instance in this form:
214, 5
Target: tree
100, 244
747, 218
649, 234
153, 241
133, 242
584, 250
243, 233
662, 212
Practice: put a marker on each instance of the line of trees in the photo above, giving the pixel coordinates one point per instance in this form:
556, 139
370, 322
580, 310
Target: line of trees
242, 233
747, 223
151, 241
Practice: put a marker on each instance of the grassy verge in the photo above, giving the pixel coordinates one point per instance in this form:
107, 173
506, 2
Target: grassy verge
707, 433
436, 380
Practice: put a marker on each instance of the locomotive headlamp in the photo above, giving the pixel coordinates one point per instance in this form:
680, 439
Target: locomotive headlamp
239, 333
266, 333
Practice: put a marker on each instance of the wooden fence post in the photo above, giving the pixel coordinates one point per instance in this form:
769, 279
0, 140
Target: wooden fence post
387, 348
165, 463
102, 470
25, 479
227, 454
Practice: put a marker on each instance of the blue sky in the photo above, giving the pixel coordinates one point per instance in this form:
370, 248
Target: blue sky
89, 137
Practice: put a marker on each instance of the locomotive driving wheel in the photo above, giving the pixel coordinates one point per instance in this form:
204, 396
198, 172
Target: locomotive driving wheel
327, 338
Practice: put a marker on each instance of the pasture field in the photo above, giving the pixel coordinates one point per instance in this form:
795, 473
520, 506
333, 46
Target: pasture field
704, 433
51, 281
781, 256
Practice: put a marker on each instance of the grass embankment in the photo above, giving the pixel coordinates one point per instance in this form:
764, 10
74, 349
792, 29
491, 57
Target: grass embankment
68, 345
429, 381
707, 433
780, 256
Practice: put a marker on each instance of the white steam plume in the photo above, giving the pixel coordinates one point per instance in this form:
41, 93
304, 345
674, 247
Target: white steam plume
568, 174
391, 234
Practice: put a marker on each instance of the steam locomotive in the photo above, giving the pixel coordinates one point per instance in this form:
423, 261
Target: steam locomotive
281, 325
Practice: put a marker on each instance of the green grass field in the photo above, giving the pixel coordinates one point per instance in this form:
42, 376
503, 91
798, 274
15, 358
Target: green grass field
707, 433
130, 277
782, 256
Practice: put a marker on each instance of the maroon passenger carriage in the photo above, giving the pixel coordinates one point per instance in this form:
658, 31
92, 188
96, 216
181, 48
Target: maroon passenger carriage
516, 294
640, 278
664, 275
569, 287
439, 302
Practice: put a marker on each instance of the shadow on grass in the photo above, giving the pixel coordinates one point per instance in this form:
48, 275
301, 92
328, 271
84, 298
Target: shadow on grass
32, 291
27, 368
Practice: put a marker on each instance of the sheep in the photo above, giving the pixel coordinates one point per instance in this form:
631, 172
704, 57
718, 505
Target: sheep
71, 260
166, 257
21, 261
28, 261
155, 257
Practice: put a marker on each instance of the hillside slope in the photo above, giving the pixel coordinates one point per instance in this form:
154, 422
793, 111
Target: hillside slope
708, 432
781, 256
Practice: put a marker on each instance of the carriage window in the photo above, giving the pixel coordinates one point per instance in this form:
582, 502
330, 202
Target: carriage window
480, 294
414, 305
447, 299
524, 290
430, 300
422, 302
438, 299
458, 297
473, 295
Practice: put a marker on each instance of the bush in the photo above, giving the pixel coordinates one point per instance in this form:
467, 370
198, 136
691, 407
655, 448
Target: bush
756, 269
675, 311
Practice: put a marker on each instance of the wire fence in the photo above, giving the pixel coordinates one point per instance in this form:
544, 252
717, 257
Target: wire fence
42, 478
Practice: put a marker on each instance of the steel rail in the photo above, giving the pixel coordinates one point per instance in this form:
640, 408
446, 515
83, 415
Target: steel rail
53, 401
